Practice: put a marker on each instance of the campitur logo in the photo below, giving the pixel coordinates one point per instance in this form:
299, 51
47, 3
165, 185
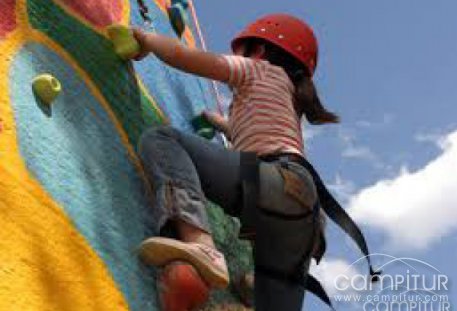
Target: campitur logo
415, 286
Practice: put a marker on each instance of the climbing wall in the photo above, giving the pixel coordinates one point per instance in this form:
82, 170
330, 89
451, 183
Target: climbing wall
74, 203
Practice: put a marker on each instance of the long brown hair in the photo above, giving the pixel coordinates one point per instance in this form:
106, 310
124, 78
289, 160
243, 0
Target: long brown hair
307, 101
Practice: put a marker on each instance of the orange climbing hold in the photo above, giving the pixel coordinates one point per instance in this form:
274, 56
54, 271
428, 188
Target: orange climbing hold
181, 288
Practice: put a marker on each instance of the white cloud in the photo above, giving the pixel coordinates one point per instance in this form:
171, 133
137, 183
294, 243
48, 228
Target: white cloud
435, 138
359, 152
387, 119
353, 150
414, 209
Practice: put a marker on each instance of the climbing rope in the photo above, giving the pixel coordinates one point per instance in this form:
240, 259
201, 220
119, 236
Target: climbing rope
144, 12
215, 88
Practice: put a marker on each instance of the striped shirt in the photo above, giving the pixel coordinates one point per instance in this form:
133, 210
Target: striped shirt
262, 117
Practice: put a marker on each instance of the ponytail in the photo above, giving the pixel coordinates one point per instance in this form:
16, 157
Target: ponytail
307, 101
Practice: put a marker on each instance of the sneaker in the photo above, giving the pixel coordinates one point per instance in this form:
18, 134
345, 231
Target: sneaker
209, 262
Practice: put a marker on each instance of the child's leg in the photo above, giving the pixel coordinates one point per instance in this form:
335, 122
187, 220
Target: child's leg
285, 225
283, 241
186, 169
190, 233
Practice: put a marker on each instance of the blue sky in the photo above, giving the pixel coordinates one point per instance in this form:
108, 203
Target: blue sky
389, 69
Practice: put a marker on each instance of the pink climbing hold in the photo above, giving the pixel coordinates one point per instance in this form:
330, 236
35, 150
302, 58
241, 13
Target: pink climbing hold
7, 17
99, 13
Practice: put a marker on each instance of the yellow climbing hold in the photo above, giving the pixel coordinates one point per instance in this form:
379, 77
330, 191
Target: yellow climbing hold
124, 43
47, 88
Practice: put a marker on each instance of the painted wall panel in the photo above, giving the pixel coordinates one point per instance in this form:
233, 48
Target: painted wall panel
74, 202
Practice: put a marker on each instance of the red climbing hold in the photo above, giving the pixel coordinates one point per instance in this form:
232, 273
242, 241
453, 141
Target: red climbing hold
100, 13
181, 288
7, 17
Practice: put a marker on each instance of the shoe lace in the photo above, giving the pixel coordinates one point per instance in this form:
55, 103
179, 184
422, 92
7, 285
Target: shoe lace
211, 253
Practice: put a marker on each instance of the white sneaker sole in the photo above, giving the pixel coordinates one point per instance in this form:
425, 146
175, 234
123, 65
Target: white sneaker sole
161, 251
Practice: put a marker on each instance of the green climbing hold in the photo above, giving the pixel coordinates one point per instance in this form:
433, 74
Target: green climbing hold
46, 88
203, 128
124, 43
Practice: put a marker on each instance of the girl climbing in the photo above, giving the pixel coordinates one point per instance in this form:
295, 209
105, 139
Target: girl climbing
263, 179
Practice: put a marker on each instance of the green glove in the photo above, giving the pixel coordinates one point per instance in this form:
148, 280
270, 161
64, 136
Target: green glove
203, 128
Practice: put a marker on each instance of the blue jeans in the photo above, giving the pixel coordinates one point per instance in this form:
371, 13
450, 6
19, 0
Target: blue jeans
187, 170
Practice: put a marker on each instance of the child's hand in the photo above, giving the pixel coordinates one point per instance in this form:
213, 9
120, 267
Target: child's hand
218, 121
213, 118
141, 37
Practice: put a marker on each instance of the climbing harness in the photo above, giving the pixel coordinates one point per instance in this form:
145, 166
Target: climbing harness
280, 278
249, 174
251, 213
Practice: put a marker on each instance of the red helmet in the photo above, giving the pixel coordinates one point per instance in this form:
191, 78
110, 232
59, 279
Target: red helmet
286, 31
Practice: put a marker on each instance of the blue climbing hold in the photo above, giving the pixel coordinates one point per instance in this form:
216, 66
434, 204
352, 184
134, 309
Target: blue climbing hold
178, 16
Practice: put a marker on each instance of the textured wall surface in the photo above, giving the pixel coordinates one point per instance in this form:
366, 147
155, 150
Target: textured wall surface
74, 203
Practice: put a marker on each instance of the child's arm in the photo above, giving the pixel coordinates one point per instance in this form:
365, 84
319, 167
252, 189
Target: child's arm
218, 121
175, 54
